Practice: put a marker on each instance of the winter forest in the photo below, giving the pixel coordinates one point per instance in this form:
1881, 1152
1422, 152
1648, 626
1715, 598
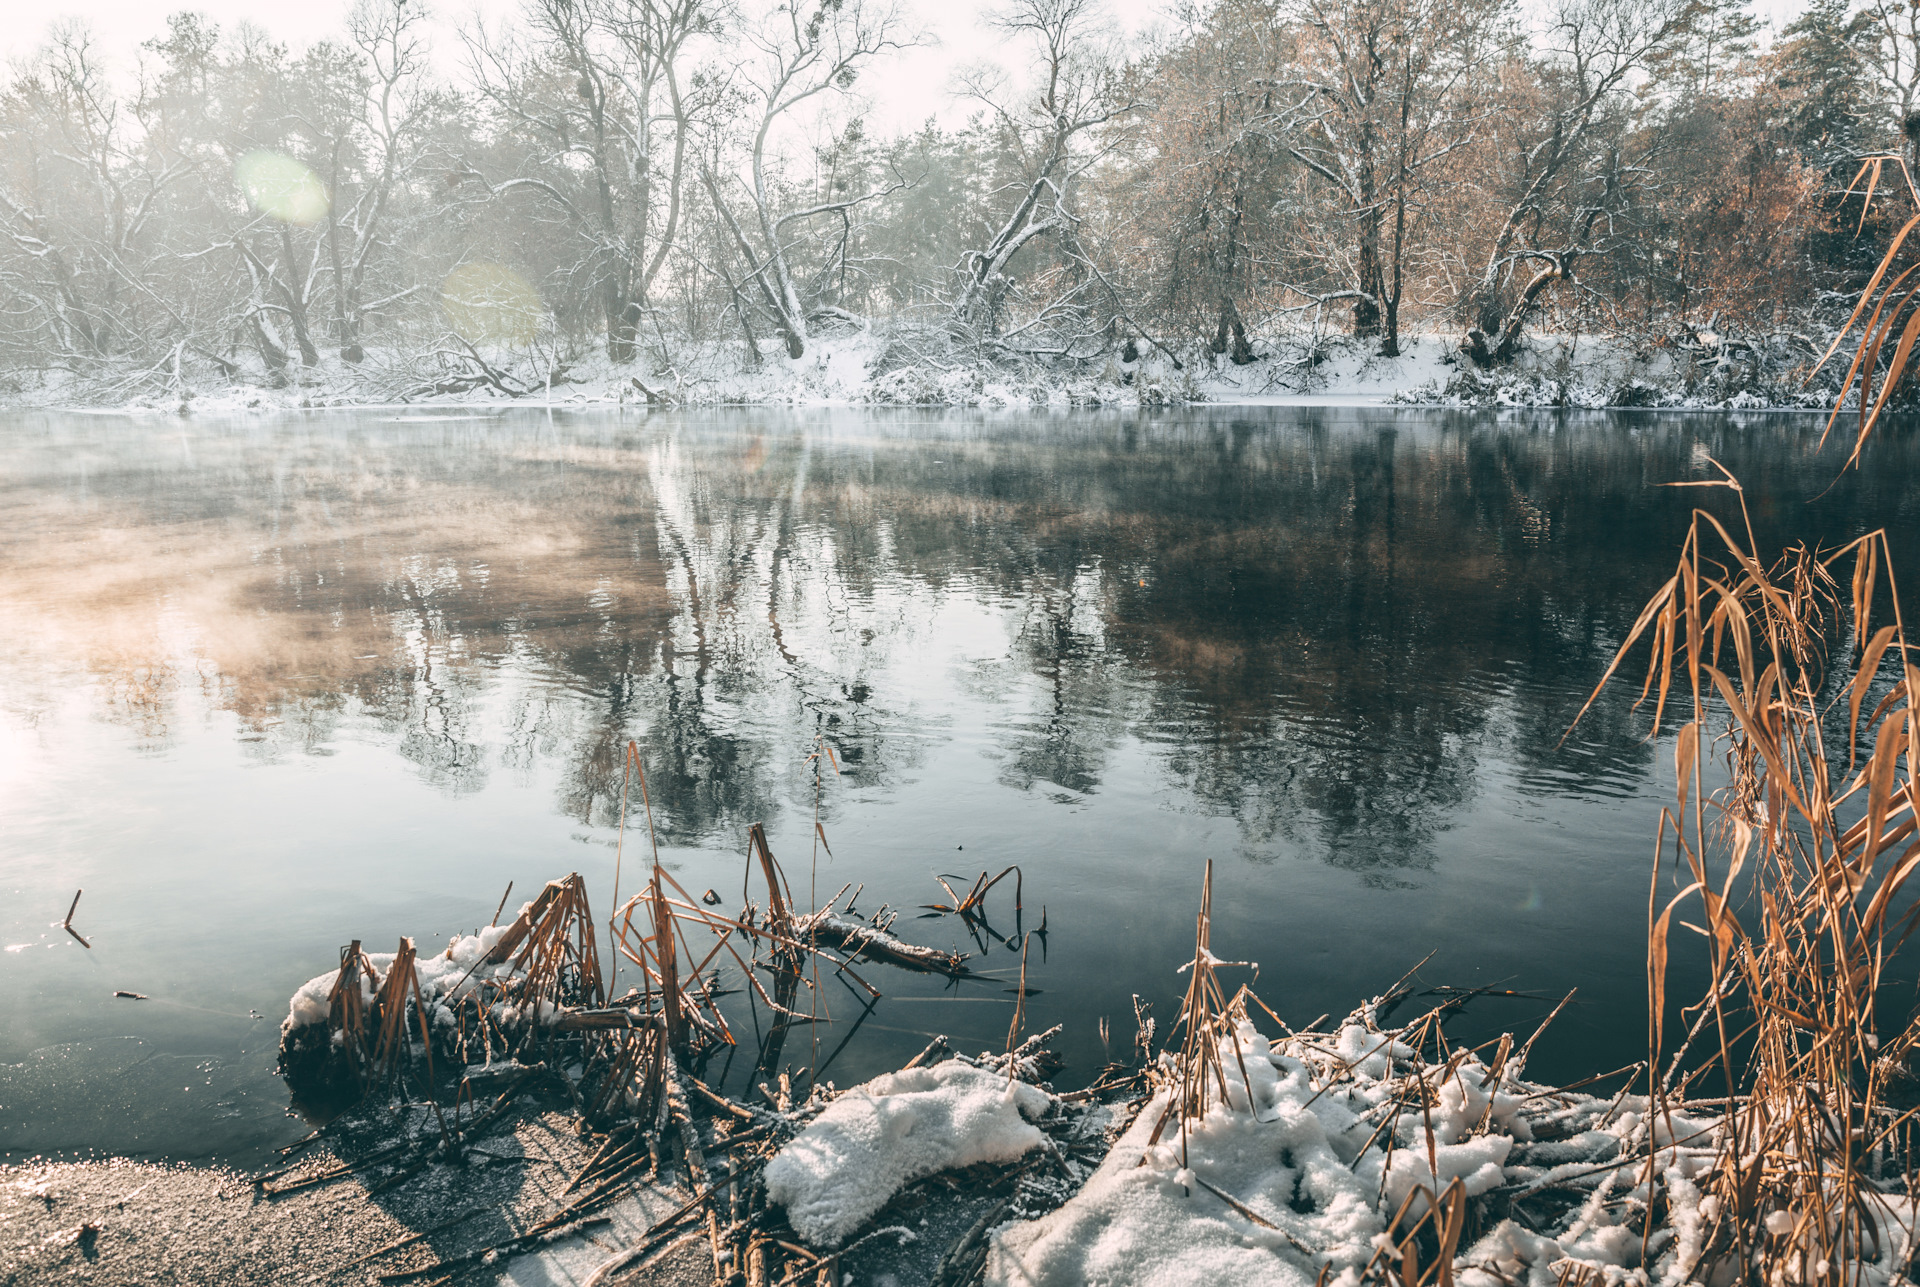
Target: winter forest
665, 194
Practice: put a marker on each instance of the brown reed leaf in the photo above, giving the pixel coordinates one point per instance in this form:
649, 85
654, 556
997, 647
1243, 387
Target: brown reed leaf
1794, 1002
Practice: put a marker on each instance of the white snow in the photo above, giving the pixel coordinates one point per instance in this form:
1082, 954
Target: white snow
886, 364
1560, 370
1367, 1053
895, 1129
441, 976
1285, 1145
1146, 1217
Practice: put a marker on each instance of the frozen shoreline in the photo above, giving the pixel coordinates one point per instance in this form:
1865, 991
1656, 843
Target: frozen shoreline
865, 369
1289, 1171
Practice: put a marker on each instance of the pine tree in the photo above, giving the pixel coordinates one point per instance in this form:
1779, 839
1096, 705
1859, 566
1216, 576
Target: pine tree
1722, 37
1823, 102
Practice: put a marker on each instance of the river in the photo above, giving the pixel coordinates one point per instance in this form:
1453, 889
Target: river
271, 684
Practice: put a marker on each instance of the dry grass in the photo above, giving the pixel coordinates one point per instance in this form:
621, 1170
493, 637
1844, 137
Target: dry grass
1795, 873
1886, 306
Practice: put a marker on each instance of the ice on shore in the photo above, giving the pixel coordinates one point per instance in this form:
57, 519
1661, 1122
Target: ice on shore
900, 1127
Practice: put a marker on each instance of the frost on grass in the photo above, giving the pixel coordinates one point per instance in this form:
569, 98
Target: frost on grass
875, 1139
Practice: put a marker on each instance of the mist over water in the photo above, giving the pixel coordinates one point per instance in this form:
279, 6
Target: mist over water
270, 685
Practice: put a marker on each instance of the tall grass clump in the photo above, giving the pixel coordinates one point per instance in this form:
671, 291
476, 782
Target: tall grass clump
1793, 866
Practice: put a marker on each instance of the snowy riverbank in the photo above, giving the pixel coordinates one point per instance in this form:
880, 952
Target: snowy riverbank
1227, 1148
1326, 1155
873, 367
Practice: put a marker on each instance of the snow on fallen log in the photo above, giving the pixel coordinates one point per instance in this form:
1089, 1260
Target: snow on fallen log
863, 940
900, 1127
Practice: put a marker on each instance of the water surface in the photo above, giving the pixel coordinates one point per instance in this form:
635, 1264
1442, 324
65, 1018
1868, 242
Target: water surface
268, 685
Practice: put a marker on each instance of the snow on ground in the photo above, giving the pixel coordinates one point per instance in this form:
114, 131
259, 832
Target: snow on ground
1148, 1215
1293, 1173
1335, 372
877, 1138
1551, 370
878, 364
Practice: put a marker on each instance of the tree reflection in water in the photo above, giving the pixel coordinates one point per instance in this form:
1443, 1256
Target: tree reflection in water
1344, 643
1320, 621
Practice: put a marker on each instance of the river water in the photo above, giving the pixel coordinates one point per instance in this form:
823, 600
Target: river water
268, 685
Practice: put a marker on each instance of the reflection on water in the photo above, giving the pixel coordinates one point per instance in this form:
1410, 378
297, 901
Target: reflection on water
268, 685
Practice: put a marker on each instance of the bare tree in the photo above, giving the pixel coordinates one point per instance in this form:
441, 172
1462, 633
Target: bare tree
1892, 51
601, 97
1080, 86
1565, 173
803, 57
393, 109
78, 206
1401, 88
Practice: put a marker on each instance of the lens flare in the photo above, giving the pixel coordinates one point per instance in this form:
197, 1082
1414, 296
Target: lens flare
491, 302
282, 188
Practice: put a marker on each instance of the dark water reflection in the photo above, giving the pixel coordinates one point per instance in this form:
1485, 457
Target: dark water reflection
268, 685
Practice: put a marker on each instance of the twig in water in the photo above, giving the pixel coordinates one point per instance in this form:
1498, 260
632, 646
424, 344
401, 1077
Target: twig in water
67, 924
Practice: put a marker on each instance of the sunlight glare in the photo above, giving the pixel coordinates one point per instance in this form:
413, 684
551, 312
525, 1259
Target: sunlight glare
282, 188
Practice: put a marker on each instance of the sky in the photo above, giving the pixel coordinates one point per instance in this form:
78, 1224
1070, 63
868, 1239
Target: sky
905, 89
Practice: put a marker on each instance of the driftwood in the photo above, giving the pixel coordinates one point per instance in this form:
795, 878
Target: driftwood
859, 940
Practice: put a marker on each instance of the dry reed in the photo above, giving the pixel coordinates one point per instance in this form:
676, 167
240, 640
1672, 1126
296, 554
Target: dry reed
1797, 869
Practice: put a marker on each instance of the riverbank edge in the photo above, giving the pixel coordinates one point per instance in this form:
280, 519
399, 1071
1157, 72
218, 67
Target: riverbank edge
865, 370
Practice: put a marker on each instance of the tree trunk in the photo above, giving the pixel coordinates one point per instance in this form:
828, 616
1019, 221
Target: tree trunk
975, 313
1402, 180
1230, 334
1500, 347
296, 303
621, 330
343, 316
789, 324
1366, 309
274, 357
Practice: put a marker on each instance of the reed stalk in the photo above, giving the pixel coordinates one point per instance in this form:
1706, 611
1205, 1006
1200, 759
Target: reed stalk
1794, 870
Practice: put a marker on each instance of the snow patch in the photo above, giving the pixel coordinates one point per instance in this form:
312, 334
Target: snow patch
442, 976
1151, 1214
897, 1128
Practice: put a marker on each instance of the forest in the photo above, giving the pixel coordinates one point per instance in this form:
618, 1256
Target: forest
650, 189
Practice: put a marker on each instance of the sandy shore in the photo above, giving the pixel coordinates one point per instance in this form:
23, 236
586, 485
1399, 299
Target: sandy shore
122, 1222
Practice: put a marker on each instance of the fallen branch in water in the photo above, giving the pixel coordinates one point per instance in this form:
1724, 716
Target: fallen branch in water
864, 940
67, 924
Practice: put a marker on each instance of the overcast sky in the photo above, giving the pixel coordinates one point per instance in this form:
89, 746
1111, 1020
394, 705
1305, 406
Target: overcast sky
905, 88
